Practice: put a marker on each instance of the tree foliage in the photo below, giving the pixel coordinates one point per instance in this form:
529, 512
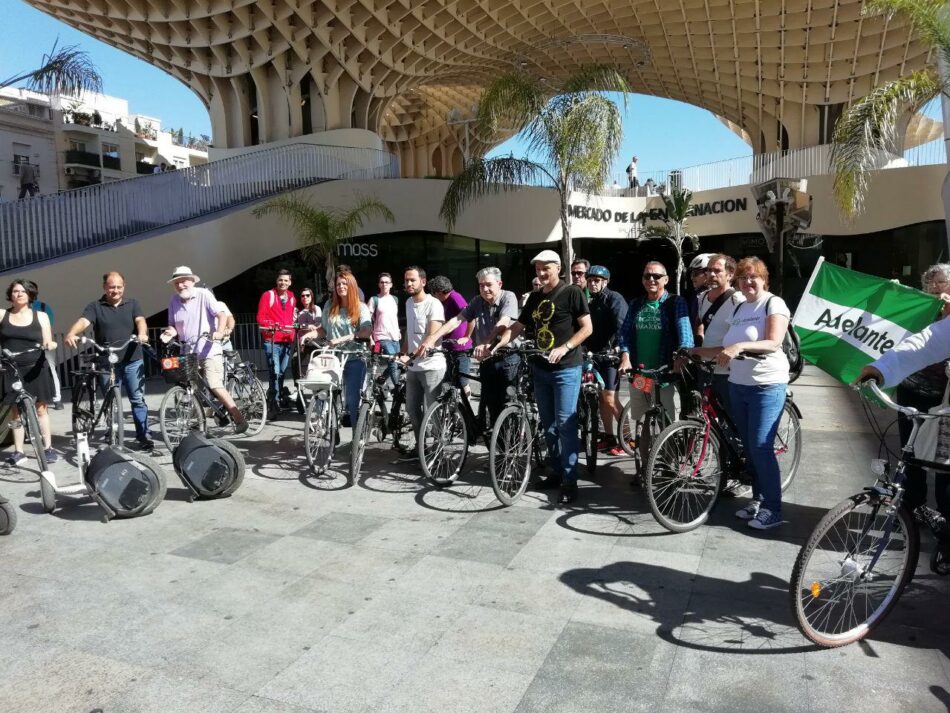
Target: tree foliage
67, 70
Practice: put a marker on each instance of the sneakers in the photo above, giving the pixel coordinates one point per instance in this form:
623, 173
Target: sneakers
749, 511
16, 458
407, 455
734, 488
145, 443
567, 494
57, 406
616, 451
51, 456
240, 427
765, 519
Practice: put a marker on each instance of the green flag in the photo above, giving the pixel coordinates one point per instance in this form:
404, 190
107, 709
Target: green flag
847, 319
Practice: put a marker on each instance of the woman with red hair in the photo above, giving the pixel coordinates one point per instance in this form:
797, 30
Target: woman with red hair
345, 319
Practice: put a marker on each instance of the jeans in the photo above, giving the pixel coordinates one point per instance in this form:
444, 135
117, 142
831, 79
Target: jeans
278, 359
756, 411
391, 346
465, 367
354, 374
131, 375
556, 393
421, 389
916, 486
496, 375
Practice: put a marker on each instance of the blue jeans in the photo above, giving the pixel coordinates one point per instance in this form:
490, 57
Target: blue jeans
278, 359
556, 393
756, 411
354, 373
391, 346
131, 375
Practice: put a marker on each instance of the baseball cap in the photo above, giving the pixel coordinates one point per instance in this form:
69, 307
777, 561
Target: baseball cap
598, 271
547, 256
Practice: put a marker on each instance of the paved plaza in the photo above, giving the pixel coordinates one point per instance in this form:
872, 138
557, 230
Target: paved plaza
300, 594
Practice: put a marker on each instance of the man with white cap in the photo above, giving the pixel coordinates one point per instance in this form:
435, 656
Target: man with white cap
193, 311
561, 322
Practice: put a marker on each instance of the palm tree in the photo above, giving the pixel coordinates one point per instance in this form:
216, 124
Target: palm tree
577, 134
66, 71
678, 209
871, 127
319, 230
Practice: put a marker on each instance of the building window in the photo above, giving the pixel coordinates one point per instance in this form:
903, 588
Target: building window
110, 150
77, 145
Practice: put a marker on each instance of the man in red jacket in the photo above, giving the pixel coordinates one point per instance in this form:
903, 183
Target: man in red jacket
276, 309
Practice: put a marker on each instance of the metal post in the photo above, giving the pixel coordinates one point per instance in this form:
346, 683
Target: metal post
777, 285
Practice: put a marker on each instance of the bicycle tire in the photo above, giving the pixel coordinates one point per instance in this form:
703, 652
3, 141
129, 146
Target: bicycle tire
399, 424
627, 432
683, 475
7, 518
509, 454
361, 435
788, 444
853, 526
590, 420
443, 441
47, 492
319, 434
177, 416
115, 420
83, 407
250, 398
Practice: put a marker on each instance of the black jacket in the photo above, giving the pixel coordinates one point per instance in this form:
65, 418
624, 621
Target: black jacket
607, 312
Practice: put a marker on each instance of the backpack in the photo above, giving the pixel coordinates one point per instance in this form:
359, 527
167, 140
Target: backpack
791, 346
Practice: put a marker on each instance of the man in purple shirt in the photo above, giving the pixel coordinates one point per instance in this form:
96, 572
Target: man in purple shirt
192, 312
459, 339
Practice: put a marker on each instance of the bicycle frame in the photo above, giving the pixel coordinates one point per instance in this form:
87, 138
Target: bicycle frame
453, 389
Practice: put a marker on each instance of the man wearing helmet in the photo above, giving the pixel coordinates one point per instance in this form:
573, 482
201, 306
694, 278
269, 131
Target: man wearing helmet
608, 309
697, 288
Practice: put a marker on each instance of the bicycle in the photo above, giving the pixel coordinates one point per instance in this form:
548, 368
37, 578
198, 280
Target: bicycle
374, 416
184, 406
517, 439
853, 568
656, 418
588, 403
7, 516
691, 460
449, 426
240, 379
87, 412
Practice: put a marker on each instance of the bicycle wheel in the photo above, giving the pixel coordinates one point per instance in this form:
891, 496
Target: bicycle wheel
509, 455
7, 518
628, 432
250, 398
319, 433
115, 423
400, 427
590, 419
84, 407
28, 414
683, 475
361, 436
836, 598
180, 413
443, 441
788, 444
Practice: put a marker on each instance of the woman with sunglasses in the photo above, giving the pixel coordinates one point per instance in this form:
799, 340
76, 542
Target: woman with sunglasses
308, 317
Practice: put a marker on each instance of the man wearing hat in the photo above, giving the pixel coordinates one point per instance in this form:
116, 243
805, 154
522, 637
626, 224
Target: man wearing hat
560, 319
193, 311
608, 309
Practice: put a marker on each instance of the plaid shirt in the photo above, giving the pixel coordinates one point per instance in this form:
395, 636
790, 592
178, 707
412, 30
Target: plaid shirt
681, 330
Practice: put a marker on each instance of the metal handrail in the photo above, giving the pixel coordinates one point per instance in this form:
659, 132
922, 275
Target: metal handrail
51, 226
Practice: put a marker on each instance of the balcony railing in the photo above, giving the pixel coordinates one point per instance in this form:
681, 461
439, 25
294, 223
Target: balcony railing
82, 158
144, 167
112, 162
51, 226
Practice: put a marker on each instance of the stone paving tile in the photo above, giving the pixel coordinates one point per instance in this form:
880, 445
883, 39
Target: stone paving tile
257, 704
446, 579
227, 545
156, 691
490, 545
418, 535
348, 528
528, 592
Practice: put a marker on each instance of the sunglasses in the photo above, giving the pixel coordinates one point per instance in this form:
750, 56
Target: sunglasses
578, 273
653, 276
305, 294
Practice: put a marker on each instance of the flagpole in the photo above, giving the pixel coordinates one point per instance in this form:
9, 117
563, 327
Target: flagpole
811, 281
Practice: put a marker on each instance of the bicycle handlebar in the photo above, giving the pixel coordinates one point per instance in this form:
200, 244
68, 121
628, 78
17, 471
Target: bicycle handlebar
10, 355
872, 386
107, 349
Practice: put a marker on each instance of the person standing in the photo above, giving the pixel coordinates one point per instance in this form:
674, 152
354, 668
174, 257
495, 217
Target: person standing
608, 310
757, 387
384, 311
535, 287
276, 308
561, 322
28, 183
632, 173
491, 311
716, 308
656, 326
424, 316
579, 269
192, 312
21, 329
114, 318
457, 340
696, 289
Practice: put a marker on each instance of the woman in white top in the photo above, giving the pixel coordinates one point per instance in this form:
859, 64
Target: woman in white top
757, 386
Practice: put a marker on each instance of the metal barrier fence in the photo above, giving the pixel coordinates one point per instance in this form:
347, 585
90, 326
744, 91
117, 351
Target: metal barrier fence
49, 226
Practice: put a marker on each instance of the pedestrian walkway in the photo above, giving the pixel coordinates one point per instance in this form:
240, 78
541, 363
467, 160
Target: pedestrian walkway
299, 595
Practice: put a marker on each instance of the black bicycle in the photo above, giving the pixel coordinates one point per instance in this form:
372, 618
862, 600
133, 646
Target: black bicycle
588, 403
375, 418
240, 379
630, 431
88, 412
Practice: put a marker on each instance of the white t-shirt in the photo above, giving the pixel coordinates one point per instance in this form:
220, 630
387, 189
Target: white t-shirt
418, 317
385, 312
748, 324
719, 324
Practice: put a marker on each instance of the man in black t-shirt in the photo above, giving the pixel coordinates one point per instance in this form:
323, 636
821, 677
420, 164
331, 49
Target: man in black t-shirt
560, 319
114, 318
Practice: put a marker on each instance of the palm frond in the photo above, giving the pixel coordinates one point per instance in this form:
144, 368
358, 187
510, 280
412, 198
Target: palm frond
510, 101
490, 176
67, 71
869, 130
929, 19
366, 208
596, 78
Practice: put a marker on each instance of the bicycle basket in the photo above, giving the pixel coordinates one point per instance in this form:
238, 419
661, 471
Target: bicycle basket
324, 369
180, 369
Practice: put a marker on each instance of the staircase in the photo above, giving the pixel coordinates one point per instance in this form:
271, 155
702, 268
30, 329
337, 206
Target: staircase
52, 226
